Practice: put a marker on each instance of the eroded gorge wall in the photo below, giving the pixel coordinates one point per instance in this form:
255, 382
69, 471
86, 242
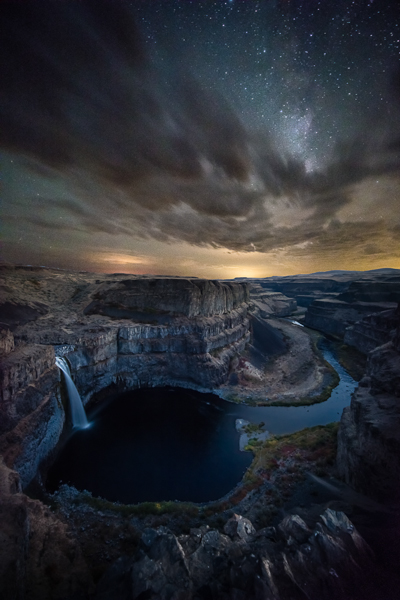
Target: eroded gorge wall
118, 333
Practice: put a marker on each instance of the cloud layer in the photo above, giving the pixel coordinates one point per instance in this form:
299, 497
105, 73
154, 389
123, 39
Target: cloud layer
155, 155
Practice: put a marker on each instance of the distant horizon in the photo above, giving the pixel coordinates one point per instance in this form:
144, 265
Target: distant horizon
189, 276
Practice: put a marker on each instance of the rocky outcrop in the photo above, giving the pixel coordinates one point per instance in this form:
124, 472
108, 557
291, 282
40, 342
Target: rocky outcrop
41, 559
6, 342
268, 304
32, 415
333, 316
373, 291
372, 331
369, 435
189, 297
38, 558
290, 561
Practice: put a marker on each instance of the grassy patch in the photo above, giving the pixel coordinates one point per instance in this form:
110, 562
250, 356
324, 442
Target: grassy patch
140, 510
234, 398
254, 428
282, 459
253, 443
314, 444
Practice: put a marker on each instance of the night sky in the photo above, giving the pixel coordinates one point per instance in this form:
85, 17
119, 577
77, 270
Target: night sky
214, 139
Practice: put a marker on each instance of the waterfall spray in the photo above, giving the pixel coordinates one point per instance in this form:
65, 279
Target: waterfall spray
79, 420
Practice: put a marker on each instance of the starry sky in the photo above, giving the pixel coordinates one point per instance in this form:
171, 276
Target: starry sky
203, 138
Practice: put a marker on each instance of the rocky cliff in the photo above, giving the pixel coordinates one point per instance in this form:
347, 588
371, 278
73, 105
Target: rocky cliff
119, 331
38, 557
333, 315
356, 296
381, 285
372, 331
369, 434
268, 304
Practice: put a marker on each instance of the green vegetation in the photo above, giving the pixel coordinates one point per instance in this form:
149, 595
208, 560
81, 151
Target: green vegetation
254, 428
140, 510
234, 398
252, 443
282, 459
314, 444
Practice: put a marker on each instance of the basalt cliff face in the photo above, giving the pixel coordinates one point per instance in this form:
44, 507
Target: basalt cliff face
121, 332
369, 434
334, 316
268, 304
373, 293
372, 331
381, 285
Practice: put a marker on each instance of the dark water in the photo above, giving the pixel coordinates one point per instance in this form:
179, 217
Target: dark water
155, 444
176, 444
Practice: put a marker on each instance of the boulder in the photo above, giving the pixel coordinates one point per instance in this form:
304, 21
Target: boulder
328, 561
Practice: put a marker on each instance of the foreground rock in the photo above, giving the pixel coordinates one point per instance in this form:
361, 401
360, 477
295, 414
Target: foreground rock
38, 557
291, 561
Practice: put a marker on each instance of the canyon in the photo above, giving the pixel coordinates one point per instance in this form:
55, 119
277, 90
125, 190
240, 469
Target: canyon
121, 332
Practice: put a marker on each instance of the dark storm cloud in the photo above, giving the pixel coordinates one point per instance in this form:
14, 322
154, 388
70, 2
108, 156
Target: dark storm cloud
155, 153
77, 88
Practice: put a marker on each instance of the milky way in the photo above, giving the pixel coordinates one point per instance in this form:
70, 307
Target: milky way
196, 137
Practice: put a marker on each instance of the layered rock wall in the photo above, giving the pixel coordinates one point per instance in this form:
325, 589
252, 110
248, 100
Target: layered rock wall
188, 297
171, 332
333, 316
369, 434
32, 415
372, 331
268, 304
192, 351
373, 291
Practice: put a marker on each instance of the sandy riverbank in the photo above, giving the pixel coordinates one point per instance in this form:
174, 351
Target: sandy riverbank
299, 372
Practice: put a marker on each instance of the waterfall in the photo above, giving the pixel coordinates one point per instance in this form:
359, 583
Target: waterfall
78, 414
